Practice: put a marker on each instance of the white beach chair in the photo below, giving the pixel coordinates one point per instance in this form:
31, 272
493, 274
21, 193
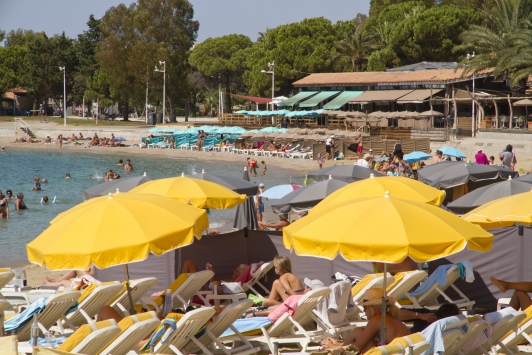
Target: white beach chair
183, 295
429, 299
4, 305
55, 309
208, 343
184, 146
134, 329
334, 317
474, 329
138, 288
186, 328
91, 305
252, 284
498, 332
5, 276
291, 329
523, 333
367, 282
416, 342
410, 280
97, 340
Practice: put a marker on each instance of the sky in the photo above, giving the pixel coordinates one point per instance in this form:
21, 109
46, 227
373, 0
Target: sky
217, 18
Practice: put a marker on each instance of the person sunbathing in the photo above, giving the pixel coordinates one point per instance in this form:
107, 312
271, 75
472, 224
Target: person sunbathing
286, 285
520, 298
67, 279
272, 147
365, 338
283, 222
285, 147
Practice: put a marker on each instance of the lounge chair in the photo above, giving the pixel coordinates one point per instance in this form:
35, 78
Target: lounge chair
209, 341
133, 330
333, 315
291, 329
138, 289
5, 276
414, 344
252, 284
474, 329
186, 328
389, 349
55, 308
89, 307
4, 305
406, 281
429, 298
443, 333
184, 288
498, 333
367, 282
521, 334
8, 345
91, 338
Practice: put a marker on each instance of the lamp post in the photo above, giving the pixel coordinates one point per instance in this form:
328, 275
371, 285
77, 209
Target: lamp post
64, 93
272, 72
469, 57
163, 70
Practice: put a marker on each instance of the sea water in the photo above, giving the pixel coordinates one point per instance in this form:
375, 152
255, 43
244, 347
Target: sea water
18, 170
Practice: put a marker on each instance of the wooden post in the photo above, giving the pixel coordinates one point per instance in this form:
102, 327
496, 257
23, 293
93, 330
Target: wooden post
496, 113
511, 112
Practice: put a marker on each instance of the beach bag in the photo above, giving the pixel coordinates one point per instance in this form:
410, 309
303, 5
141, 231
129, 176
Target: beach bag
229, 288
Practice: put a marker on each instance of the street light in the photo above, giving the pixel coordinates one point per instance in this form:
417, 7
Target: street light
64, 93
164, 84
272, 72
469, 57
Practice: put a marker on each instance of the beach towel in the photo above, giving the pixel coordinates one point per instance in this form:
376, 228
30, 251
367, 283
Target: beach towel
256, 299
248, 274
25, 316
288, 306
465, 270
247, 325
438, 276
434, 334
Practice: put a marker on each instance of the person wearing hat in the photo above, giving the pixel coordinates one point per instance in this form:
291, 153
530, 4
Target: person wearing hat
329, 147
364, 162
365, 338
481, 158
283, 222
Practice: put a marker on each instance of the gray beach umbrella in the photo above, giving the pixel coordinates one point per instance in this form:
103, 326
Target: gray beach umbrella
445, 175
343, 172
245, 215
488, 193
122, 185
308, 196
525, 178
237, 185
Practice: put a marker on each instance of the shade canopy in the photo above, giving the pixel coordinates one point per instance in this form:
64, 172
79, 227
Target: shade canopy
291, 101
399, 186
417, 96
202, 194
120, 185
343, 172
452, 152
116, 229
486, 194
307, 196
379, 95
503, 212
237, 185
449, 174
384, 229
318, 98
341, 100
279, 191
524, 102
431, 113
416, 156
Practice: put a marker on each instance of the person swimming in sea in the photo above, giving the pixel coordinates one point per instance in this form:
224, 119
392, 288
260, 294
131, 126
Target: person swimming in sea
120, 163
45, 200
67, 176
37, 186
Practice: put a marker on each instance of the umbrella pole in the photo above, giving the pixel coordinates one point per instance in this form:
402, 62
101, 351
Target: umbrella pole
384, 305
128, 289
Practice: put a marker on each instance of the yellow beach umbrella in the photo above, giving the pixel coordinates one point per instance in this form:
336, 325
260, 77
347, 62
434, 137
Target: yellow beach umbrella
384, 229
398, 186
116, 229
503, 212
201, 193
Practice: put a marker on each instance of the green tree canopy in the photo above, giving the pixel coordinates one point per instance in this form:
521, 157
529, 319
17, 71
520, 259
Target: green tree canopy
13, 64
223, 57
297, 49
378, 6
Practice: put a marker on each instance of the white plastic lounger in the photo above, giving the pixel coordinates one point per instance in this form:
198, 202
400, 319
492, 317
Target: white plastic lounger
186, 328
335, 320
90, 306
252, 284
291, 329
367, 282
414, 341
56, 307
521, 334
498, 332
5, 277
209, 342
429, 299
410, 280
139, 288
4, 305
97, 340
474, 329
127, 341
183, 295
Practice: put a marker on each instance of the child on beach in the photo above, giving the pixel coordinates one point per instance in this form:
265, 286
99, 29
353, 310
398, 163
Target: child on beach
320, 161
264, 168
37, 186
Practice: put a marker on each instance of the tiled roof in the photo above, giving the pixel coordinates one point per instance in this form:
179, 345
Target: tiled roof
442, 76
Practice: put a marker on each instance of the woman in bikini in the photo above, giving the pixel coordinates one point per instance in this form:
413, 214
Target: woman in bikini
19, 203
287, 285
365, 338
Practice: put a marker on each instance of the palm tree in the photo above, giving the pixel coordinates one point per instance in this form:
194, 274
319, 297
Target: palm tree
355, 48
499, 44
